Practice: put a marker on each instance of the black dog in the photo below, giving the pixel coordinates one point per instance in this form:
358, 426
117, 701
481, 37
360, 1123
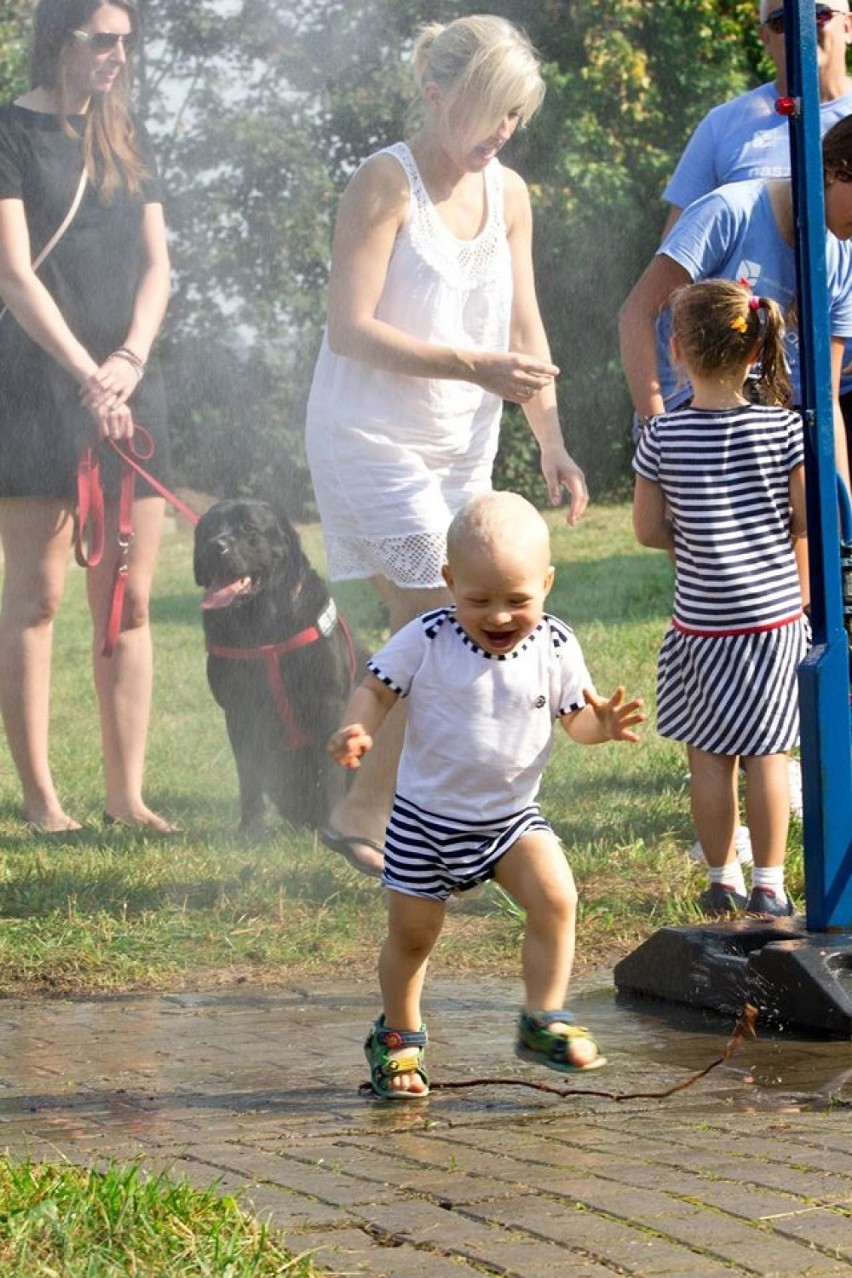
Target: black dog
280, 661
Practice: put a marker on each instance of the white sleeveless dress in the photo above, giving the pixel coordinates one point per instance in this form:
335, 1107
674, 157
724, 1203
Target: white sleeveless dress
393, 457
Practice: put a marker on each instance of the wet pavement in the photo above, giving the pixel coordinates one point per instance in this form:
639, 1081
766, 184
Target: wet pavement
748, 1171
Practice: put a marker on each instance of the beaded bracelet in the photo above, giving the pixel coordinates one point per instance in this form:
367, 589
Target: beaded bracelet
123, 352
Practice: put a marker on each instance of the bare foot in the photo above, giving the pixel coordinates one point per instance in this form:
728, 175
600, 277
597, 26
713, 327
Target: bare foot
51, 821
141, 818
407, 1081
360, 852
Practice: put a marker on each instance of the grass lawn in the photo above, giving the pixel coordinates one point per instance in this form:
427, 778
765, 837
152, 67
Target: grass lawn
113, 912
118, 1223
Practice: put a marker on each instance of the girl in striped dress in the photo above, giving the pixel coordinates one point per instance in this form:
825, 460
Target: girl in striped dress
720, 484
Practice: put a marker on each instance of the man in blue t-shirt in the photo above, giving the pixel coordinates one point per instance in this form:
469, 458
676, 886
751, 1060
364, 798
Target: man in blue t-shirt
746, 138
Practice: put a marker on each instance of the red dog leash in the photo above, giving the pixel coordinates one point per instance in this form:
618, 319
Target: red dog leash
90, 521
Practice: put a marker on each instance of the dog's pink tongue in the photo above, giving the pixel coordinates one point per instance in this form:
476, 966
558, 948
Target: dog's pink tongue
223, 596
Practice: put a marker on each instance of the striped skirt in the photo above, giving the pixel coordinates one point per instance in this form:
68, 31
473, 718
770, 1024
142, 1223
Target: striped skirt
434, 856
732, 694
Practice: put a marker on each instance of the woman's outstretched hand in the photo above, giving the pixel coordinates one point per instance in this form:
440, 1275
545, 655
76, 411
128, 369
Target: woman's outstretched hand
511, 375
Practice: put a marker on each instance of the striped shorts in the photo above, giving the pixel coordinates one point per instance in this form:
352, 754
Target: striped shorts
732, 694
434, 856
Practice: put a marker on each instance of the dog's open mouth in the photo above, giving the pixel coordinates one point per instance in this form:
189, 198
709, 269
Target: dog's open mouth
222, 594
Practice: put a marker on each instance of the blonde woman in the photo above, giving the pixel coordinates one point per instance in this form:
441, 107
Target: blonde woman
75, 345
432, 322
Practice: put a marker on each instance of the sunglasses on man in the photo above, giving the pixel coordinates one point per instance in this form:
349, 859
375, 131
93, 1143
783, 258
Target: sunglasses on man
106, 41
824, 14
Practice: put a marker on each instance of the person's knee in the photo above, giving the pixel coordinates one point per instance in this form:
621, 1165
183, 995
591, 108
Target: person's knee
135, 612
415, 940
551, 900
404, 604
34, 606
559, 899
712, 768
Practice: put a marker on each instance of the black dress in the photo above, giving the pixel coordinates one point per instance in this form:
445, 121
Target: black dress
93, 274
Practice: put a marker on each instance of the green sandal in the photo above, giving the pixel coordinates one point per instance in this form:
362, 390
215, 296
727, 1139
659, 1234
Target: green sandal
536, 1042
379, 1044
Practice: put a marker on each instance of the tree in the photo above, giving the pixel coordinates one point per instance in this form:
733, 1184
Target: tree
626, 85
14, 39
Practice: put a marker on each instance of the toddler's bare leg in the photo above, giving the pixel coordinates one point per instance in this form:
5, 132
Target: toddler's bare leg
414, 925
536, 874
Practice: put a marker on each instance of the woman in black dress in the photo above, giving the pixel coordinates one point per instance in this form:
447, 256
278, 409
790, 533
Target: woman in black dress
75, 366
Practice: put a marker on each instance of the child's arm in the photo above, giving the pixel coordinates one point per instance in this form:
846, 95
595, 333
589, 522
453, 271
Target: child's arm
603, 719
799, 530
651, 522
364, 715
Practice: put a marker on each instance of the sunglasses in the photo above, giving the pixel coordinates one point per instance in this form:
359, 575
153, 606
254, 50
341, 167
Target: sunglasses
106, 41
824, 14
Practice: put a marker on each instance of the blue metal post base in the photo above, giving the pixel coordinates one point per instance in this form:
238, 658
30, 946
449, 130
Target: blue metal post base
795, 978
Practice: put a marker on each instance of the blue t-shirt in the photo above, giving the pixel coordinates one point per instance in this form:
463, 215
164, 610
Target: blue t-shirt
732, 234
741, 140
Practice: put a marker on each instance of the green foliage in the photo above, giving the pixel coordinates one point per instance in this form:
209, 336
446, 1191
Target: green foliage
14, 38
626, 85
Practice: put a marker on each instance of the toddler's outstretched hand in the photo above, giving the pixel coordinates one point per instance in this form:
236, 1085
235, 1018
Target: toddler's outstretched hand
349, 744
616, 718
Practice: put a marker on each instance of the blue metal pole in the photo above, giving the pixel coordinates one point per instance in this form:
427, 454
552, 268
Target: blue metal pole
824, 675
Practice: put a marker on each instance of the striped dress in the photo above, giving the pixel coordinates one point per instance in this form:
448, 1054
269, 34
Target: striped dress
726, 675
478, 735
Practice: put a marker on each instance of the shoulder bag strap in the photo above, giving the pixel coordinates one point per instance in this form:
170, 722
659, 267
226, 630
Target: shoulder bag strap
60, 230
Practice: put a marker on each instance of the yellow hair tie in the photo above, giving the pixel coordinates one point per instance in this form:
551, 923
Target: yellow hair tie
738, 324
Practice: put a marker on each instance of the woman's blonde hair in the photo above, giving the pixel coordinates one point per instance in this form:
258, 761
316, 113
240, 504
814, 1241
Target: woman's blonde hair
721, 326
484, 66
111, 153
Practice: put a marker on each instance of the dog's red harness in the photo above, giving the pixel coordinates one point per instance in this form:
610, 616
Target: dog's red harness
268, 653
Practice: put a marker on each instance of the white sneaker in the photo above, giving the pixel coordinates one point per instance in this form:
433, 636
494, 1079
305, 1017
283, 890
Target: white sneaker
742, 843
794, 780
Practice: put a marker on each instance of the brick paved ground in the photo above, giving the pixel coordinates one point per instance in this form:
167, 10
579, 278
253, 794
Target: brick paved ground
748, 1172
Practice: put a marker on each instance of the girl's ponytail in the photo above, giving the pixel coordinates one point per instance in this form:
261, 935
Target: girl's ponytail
723, 327
773, 376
